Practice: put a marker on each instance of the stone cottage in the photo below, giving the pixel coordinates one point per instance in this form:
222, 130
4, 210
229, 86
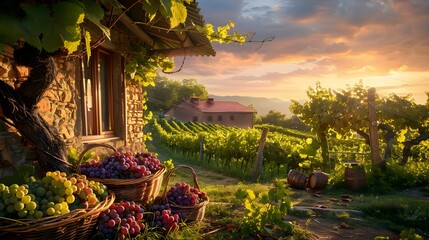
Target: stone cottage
226, 113
95, 101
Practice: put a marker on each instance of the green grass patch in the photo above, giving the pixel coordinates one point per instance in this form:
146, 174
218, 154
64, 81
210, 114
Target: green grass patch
397, 212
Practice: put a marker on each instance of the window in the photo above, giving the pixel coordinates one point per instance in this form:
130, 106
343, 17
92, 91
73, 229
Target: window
231, 118
210, 118
219, 118
98, 119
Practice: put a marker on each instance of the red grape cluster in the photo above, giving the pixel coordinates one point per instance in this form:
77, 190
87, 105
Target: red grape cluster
121, 221
149, 160
183, 194
122, 166
163, 218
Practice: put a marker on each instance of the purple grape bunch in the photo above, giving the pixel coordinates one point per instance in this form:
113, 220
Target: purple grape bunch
121, 221
122, 166
163, 218
183, 194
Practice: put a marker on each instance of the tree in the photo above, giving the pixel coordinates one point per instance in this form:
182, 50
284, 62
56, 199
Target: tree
321, 112
294, 122
40, 30
168, 92
274, 117
407, 118
190, 87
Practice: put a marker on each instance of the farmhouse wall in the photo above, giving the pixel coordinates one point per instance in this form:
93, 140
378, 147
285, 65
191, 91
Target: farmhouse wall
135, 117
242, 120
59, 108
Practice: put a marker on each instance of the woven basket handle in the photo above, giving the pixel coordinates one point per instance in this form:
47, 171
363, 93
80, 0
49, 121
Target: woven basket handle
89, 147
164, 194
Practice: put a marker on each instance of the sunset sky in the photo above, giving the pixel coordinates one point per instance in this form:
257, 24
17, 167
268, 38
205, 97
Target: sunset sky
385, 43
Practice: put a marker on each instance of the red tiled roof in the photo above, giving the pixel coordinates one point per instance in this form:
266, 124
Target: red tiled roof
219, 106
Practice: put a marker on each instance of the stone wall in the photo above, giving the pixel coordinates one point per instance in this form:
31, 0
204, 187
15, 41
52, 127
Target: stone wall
135, 117
57, 107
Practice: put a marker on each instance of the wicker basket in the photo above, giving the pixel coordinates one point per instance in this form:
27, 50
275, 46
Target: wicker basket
77, 224
142, 190
193, 213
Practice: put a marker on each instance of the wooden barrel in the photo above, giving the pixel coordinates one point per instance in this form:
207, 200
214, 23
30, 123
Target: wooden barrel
297, 179
355, 178
318, 180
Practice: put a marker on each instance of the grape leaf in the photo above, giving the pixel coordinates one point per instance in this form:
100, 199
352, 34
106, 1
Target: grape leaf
71, 46
165, 8
88, 45
64, 26
37, 17
151, 9
95, 13
10, 29
179, 13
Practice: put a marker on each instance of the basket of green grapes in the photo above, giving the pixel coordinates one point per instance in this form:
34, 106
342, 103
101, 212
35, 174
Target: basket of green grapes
57, 206
131, 176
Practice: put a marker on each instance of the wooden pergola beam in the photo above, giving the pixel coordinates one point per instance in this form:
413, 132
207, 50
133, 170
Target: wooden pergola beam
129, 23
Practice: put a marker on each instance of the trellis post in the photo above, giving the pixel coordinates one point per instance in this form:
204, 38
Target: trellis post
258, 163
373, 130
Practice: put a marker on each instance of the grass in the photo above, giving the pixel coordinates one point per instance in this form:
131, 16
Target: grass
224, 213
396, 212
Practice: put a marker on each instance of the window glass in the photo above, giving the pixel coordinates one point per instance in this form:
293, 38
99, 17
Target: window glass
104, 66
98, 95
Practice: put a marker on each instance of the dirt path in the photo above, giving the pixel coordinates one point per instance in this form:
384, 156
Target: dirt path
323, 225
326, 224
332, 219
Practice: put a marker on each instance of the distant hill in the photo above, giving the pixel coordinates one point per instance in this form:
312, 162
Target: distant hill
262, 105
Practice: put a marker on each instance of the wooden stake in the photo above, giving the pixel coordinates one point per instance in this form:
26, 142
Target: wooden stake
373, 130
257, 165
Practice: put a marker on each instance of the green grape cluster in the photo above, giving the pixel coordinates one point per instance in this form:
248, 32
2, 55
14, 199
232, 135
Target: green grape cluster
54, 194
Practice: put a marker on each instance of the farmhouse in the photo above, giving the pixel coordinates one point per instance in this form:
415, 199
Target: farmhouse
211, 111
95, 101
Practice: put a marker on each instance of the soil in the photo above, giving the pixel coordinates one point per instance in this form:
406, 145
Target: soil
330, 217
325, 224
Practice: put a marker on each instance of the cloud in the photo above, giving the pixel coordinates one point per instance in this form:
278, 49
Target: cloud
335, 41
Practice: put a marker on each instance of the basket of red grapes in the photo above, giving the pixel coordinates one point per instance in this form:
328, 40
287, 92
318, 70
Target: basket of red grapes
122, 220
131, 176
187, 201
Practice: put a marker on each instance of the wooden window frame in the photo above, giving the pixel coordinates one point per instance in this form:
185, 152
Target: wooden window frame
98, 132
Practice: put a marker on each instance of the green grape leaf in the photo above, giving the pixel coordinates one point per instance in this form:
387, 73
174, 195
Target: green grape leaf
88, 45
10, 29
151, 9
250, 194
64, 27
248, 205
165, 8
264, 198
179, 13
68, 13
95, 13
71, 46
37, 17
32, 40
